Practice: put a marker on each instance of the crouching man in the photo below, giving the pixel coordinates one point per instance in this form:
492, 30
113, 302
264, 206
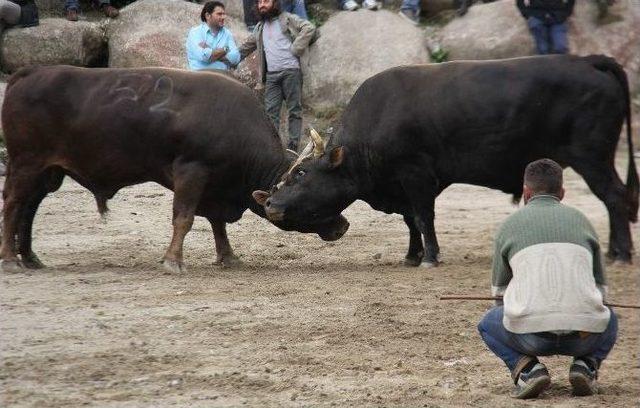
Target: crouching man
548, 267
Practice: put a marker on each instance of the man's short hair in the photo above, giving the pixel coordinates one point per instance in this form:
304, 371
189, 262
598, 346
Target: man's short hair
543, 176
209, 7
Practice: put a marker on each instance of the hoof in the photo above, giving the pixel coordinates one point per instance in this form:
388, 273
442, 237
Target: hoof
32, 262
228, 262
621, 262
11, 266
173, 266
412, 261
429, 264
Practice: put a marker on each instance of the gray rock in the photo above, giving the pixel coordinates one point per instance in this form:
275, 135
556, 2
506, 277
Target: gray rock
344, 57
54, 41
497, 30
488, 31
153, 33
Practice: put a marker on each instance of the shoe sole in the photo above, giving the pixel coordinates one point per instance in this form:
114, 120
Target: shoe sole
534, 389
580, 384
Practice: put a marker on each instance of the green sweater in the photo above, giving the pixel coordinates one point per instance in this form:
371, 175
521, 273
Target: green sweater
547, 265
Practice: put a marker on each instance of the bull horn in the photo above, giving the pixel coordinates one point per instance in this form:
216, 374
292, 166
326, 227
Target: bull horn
318, 143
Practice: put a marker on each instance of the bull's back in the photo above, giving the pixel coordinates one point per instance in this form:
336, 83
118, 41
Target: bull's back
497, 110
124, 124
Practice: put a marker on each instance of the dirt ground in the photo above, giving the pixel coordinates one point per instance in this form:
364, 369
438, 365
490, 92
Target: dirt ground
302, 323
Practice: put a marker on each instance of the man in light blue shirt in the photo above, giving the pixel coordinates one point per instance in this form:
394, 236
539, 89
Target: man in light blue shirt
210, 45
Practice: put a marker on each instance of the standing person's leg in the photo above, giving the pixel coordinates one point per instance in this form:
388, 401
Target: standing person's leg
298, 8
558, 36
518, 351
273, 97
250, 18
540, 33
292, 89
72, 8
72, 5
410, 10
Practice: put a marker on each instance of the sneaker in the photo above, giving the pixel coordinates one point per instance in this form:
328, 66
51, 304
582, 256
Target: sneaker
370, 4
410, 15
110, 11
72, 15
531, 383
583, 378
350, 5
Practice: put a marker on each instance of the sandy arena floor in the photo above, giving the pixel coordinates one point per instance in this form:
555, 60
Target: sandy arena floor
302, 323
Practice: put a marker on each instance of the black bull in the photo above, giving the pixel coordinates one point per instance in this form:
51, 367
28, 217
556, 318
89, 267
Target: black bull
202, 135
410, 132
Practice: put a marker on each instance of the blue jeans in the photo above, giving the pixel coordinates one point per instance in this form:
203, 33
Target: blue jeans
511, 347
75, 4
549, 38
296, 7
413, 5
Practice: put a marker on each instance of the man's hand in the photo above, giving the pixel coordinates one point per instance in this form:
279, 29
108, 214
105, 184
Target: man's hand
217, 54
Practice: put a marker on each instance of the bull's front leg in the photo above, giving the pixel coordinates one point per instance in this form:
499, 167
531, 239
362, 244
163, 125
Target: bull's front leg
421, 186
224, 254
189, 180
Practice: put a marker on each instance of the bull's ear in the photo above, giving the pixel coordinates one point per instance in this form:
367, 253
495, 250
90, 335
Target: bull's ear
260, 196
336, 156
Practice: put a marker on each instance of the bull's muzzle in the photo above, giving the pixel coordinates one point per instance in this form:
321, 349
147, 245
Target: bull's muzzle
274, 212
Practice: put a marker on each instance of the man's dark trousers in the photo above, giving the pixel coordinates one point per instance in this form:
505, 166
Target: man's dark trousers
287, 85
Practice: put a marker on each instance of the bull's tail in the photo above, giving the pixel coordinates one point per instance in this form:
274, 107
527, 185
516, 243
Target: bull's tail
606, 64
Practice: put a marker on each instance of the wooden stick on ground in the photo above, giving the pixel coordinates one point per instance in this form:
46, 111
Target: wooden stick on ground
467, 297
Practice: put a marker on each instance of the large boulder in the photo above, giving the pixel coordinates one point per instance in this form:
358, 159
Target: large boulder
497, 30
153, 33
344, 57
54, 41
488, 31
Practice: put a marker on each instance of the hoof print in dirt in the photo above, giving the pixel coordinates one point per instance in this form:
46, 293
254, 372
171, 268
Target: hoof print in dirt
11, 266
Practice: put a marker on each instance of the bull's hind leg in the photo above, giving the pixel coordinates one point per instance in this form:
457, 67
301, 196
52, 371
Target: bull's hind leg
416, 250
224, 254
189, 180
21, 185
49, 182
605, 183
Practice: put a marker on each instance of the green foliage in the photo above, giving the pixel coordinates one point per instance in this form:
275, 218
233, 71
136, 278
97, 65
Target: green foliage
439, 55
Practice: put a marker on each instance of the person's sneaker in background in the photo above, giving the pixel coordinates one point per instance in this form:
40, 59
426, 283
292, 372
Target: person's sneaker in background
72, 15
110, 11
370, 4
350, 5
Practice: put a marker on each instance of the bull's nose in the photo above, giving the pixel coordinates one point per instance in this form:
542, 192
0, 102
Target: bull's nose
274, 212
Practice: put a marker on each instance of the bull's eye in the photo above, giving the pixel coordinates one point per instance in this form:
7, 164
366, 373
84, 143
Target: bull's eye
301, 173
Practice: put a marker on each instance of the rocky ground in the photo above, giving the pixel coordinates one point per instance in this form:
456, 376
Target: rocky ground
302, 323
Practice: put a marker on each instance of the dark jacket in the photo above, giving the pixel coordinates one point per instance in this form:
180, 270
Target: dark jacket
549, 11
